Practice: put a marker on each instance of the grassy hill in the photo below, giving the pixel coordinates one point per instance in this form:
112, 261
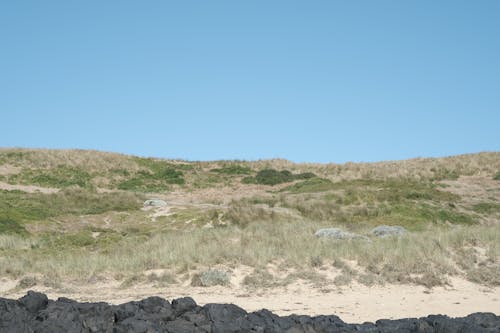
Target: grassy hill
74, 214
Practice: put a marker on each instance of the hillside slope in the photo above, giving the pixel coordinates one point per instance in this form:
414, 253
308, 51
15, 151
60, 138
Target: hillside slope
77, 214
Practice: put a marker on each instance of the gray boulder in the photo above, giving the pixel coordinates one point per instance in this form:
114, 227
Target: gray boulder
388, 230
336, 233
34, 301
154, 203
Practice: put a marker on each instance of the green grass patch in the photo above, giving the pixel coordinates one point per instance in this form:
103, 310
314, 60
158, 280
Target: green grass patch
60, 177
156, 166
304, 175
373, 202
81, 239
18, 206
233, 169
209, 180
143, 184
310, 185
10, 226
497, 176
155, 177
248, 180
416, 216
486, 208
373, 191
102, 240
274, 177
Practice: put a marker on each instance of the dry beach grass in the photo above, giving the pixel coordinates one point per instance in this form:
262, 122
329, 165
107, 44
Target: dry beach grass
73, 219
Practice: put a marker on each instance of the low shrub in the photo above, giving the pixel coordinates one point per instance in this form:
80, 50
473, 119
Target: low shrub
233, 169
274, 177
27, 282
157, 181
10, 226
305, 175
249, 180
259, 278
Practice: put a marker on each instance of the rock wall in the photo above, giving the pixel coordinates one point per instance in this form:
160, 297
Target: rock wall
36, 313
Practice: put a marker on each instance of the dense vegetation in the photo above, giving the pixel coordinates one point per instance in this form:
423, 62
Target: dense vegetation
233, 169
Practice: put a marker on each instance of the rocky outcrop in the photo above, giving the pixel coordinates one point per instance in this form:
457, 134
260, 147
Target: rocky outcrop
35, 313
154, 203
338, 234
388, 231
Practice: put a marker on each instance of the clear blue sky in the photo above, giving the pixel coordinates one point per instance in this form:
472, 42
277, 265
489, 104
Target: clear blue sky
319, 81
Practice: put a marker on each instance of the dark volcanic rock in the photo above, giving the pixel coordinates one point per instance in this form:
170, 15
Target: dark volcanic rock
34, 302
182, 305
34, 313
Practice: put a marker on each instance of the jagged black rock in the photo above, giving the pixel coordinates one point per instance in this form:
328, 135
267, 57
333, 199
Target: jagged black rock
35, 313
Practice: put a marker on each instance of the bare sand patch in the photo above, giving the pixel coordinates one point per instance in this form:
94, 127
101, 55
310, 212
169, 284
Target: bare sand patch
8, 169
27, 188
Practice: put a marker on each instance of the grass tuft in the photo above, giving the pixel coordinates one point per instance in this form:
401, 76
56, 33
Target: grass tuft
486, 208
211, 277
27, 282
260, 278
311, 185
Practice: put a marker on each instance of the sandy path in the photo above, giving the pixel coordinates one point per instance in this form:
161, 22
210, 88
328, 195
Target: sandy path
27, 188
356, 303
